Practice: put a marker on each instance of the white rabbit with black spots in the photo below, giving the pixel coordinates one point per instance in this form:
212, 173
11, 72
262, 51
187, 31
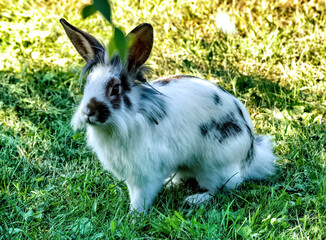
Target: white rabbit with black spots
182, 126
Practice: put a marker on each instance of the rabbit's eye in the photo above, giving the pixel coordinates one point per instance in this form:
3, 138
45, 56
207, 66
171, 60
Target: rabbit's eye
115, 90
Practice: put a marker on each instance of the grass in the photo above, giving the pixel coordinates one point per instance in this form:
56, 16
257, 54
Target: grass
53, 187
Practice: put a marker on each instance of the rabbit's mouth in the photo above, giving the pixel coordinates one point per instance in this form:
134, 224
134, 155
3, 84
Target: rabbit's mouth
90, 120
93, 120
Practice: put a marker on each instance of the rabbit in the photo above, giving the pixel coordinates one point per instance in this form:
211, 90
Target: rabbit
178, 126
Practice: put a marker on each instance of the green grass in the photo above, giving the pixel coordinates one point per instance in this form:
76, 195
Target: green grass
53, 187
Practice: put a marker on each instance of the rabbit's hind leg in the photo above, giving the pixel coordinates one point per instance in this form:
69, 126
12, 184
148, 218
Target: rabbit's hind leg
223, 178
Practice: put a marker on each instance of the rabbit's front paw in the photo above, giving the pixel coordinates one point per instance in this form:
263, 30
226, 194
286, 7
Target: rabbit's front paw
141, 197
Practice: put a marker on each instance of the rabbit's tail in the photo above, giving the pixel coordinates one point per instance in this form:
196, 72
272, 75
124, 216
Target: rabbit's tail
261, 159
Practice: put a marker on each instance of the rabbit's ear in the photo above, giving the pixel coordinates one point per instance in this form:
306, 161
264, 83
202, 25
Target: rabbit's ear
86, 45
141, 45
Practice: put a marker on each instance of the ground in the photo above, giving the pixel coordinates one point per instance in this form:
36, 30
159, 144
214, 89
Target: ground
53, 187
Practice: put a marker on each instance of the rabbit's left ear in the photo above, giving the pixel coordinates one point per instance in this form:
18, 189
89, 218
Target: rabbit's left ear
86, 45
141, 39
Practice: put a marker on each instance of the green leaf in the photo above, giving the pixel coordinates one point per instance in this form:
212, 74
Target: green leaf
112, 225
39, 179
38, 216
121, 44
245, 232
88, 10
179, 216
14, 230
28, 215
82, 226
76, 136
112, 47
130, 40
104, 7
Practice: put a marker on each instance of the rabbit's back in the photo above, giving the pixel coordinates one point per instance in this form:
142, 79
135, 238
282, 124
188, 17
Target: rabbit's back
198, 103
204, 118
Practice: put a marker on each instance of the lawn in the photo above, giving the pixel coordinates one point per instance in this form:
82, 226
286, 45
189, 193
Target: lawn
53, 187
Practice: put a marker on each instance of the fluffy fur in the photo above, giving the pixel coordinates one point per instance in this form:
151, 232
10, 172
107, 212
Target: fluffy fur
186, 128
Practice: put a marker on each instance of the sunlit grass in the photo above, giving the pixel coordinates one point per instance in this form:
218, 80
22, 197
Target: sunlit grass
53, 187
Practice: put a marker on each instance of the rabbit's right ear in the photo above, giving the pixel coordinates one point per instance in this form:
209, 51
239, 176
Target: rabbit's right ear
141, 38
86, 45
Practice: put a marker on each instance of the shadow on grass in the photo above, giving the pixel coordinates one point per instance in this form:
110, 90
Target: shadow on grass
37, 97
36, 108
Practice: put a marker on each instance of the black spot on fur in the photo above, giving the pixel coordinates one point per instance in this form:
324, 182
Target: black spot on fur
155, 121
217, 99
124, 83
152, 104
250, 154
127, 101
140, 77
240, 111
222, 89
204, 129
222, 129
148, 94
115, 60
251, 134
108, 87
254, 141
99, 109
228, 129
116, 102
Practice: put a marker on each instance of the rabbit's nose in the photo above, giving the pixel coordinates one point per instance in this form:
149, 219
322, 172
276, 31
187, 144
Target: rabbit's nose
92, 107
96, 111
91, 115
89, 111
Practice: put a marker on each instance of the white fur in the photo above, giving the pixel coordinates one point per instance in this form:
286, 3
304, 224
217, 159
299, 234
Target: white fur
198, 198
145, 154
